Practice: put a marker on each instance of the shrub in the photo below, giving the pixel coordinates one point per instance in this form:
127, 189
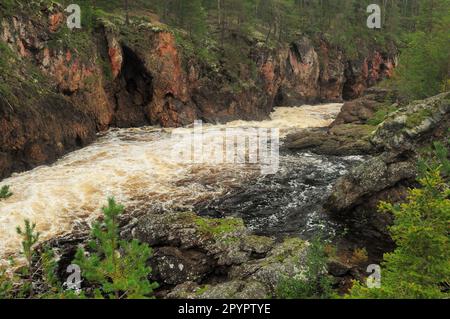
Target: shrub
359, 256
314, 283
117, 266
381, 114
419, 266
5, 192
6, 285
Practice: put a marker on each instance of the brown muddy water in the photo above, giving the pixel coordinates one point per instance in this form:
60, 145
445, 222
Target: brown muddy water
137, 167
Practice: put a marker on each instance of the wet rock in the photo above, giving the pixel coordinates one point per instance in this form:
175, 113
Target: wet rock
386, 177
31, 135
191, 251
371, 177
360, 110
351, 132
173, 266
342, 140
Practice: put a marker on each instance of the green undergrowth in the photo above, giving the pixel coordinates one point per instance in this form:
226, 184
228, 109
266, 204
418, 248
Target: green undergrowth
21, 82
416, 118
382, 114
111, 268
219, 227
5, 192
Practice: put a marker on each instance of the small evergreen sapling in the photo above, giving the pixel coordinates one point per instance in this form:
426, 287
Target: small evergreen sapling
5, 192
29, 238
118, 266
419, 266
6, 285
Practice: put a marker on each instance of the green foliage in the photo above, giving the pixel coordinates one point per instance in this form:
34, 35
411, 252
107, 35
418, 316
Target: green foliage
439, 159
420, 265
417, 118
424, 65
381, 114
218, 227
7, 6
117, 266
6, 284
315, 282
30, 238
424, 68
5, 192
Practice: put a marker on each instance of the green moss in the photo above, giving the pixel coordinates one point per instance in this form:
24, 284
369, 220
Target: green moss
21, 82
258, 241
200, 291
80, 42
381, 114
286, 249
219, 227
417, 118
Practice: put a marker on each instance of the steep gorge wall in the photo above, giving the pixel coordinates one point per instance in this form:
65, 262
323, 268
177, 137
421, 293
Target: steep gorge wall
138, 75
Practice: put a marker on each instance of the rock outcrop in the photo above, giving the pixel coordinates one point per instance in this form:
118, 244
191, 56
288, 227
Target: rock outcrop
197, 257
351, 132
341, 140
399, 141
317, 72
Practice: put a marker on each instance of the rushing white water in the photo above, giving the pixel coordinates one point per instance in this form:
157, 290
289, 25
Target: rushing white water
136, 167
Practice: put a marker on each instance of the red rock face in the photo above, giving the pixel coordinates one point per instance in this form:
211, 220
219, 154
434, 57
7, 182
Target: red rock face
115, 55
55, 21
362, 75
171, 105
321, 74
300, 84
332, 74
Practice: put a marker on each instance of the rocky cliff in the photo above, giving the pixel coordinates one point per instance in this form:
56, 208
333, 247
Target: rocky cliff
398, 142
60, 87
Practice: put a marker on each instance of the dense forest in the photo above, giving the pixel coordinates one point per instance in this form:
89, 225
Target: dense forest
418, 28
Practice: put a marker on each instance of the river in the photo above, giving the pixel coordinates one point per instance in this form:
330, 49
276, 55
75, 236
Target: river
137, 167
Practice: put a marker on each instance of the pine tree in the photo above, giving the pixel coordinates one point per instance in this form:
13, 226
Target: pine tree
118, 266
419, 267
29, 239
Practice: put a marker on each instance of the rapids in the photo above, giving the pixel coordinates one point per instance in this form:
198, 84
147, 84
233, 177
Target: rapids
137, 167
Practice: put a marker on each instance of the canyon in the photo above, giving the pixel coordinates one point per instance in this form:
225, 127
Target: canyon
88, 114
136, 75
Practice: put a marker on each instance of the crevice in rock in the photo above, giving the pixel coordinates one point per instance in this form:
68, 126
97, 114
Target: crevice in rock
279, 98
348, 91
133, 91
